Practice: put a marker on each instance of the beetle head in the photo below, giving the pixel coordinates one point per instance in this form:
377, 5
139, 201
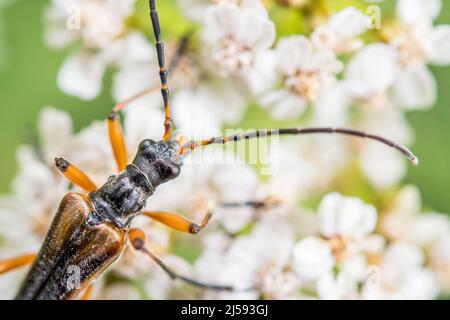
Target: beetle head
159, 160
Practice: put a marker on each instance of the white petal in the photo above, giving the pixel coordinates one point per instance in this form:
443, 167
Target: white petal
142, 122
390, 122
348, 216
256, 31
330, 287
226, 100
134, 78
437, 45
428, 228
221, 20
332, 106
312, 258
415, 89
57, 34
81, 75
283, 105
420, 284
293, 52
124, 7
418, 11
234, 220
55, 127
387, 172
349, 23
324, 60
256, 5
136, 48
194, 113
355, 267
262, 75
194, 9
239, 180
399, 258
373, 70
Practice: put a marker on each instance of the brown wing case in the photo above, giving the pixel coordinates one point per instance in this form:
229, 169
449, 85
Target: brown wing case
72, 254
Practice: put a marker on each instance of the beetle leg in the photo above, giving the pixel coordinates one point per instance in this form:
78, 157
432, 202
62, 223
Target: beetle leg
75, 175
17, 262
178, 222
137, 239
183, 224
117, 140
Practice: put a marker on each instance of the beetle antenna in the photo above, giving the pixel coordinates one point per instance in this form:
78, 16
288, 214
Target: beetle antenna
163, 73
192, 145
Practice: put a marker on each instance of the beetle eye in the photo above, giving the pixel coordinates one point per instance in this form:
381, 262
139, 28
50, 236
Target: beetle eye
146, 143
176, 160
175, 171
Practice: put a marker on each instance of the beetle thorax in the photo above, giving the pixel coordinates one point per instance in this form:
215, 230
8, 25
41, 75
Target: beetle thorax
124, 196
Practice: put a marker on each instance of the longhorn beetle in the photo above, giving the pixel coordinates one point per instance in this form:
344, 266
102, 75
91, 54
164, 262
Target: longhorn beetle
90, 231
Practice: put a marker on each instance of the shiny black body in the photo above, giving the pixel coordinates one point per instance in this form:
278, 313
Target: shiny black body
122, 197
88, 232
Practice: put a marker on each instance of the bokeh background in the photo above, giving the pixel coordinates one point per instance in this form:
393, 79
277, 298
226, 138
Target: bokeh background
28, 84
28, 72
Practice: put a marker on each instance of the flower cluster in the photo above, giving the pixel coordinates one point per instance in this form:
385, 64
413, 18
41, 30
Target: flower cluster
340, 255
301, 242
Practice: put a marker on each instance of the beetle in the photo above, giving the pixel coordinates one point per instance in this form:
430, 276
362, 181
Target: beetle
90, 231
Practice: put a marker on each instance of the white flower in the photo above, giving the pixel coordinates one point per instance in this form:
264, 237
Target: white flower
236, 39
371, 73
331, 287
312, 258
418, 11
306, 72
16, 238
196, 9
200, 114
159, 285
100, 28
298, 168
95, 23
404, 221
440, 261
345, 216
139, 71
249, 261
39, 189
345, 225
395, 222
419, 43
81, 75
404, 274
415, 88
234, 183
382, 165
340, 32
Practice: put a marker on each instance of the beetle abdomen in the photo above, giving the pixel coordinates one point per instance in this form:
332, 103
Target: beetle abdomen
69, 245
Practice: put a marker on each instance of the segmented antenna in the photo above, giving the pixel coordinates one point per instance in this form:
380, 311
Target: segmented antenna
163, 73
192, 145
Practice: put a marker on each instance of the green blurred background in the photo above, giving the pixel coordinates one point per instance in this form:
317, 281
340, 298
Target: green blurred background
28, 82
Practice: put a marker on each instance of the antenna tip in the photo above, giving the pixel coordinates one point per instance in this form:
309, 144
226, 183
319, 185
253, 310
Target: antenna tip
415, 160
